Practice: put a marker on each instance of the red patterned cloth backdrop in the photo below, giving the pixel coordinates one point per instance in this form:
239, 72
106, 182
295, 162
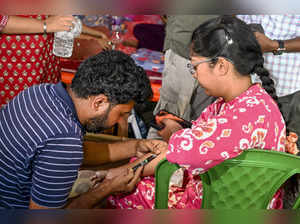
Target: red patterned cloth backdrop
25, 60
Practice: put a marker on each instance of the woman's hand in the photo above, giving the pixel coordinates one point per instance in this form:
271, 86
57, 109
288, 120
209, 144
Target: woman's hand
150, 146
170, 127
59, 23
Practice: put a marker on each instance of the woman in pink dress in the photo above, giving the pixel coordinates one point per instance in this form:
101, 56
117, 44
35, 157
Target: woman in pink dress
26, 57
224, 52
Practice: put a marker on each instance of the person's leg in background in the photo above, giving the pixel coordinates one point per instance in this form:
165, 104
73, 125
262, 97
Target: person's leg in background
150, 36
290, 107
180, 92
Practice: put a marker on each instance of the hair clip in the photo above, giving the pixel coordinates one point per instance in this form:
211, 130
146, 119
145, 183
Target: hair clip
228, 38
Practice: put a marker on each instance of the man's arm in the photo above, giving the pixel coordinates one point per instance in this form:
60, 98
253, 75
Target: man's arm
96, 153
292, 45
268, 45
124, 182
90, 33
93, 32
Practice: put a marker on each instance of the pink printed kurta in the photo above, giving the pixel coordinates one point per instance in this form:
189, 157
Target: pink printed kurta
223, 131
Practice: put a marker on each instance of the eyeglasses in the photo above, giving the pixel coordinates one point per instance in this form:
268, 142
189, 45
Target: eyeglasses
192, 67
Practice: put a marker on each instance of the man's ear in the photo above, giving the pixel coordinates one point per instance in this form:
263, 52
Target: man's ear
222, 66
99, 103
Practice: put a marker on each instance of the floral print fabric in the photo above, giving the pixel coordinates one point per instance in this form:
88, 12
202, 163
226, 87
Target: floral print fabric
223, 131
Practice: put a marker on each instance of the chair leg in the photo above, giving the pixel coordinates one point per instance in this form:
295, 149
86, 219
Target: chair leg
163, 173
297, 203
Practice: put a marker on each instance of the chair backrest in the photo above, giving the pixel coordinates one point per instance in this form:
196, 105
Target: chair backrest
247, 181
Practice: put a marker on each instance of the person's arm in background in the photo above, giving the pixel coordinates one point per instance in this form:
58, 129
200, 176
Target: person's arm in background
90, 33
24, 25
268, 45
93, 32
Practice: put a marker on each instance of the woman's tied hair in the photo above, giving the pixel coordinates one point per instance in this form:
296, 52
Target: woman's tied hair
231, 38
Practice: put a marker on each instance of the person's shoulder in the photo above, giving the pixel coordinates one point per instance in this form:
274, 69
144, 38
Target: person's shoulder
256, 99
66, 141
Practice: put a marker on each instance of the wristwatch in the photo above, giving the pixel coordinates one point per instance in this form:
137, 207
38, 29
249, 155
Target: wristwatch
280, 48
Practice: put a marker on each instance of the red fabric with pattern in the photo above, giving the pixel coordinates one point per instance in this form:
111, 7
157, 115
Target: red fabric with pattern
26, 60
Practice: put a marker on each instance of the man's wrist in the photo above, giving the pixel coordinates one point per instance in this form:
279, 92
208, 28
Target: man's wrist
274, 45
104, 188
137, 146
280, 47
99, 193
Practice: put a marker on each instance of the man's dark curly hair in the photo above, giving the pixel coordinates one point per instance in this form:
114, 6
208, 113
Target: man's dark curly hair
114, 74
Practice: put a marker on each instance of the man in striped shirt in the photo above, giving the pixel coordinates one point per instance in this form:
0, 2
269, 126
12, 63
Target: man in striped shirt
41, 133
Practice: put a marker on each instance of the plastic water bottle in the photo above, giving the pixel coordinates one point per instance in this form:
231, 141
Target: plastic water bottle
116, 38
64, 40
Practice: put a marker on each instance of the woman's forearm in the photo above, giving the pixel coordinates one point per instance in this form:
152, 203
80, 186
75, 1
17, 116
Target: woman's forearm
22, 25
149, 168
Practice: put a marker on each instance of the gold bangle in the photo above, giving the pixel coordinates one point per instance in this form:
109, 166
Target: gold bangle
45, 27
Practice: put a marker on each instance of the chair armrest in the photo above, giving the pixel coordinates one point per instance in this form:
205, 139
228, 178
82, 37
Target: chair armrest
163, 173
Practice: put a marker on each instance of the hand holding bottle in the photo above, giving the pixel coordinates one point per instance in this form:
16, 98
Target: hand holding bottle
64, 40
59, 23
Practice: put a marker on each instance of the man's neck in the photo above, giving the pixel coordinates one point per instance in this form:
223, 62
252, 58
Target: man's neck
77, 104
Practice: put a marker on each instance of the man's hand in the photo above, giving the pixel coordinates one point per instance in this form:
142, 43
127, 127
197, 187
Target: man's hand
170, 127
266, 44
114, 172
124, 182
99, 176
150, 146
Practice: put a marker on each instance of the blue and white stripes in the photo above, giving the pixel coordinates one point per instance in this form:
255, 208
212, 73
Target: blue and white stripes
40, 147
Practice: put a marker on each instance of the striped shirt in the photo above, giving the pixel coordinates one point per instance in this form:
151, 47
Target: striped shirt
40, 147
285, 68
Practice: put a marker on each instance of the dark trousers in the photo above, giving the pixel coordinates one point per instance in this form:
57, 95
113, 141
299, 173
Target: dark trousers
290, 108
